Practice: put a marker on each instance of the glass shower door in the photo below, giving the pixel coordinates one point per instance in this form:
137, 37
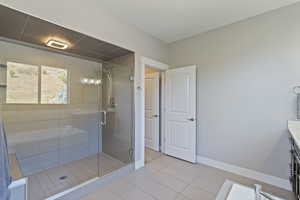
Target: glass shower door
51, 117
117, 101
79, 139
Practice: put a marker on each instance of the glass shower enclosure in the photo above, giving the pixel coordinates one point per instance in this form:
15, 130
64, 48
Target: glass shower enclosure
67, 119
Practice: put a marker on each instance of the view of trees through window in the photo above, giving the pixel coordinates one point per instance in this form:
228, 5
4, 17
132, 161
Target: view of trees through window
54, 83
23, 84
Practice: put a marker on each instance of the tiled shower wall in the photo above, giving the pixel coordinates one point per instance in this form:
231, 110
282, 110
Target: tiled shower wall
118, 135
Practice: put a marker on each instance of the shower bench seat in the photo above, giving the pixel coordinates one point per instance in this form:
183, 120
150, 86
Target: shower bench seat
43, 149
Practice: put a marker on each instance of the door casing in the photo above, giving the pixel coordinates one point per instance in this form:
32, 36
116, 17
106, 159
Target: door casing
139, 93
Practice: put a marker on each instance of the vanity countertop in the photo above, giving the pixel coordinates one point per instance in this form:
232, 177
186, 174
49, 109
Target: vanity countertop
294, 129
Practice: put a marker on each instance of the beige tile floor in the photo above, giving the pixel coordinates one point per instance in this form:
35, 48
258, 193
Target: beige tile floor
48, 183
151, 155
167, 178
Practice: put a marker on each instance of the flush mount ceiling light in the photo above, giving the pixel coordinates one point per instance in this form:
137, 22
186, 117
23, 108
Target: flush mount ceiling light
56, 44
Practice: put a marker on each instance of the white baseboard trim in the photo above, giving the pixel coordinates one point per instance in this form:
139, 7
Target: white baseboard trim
272, 180
139, 164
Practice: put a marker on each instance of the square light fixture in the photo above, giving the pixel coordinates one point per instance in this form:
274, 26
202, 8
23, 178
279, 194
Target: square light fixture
56, 44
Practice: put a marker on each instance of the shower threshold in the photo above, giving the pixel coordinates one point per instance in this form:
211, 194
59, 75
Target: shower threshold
85, 188
58, 181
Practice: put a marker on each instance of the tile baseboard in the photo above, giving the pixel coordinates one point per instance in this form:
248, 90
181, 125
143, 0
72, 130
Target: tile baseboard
272, 180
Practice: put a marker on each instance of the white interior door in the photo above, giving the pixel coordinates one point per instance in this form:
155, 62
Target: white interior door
180, 139
152, 111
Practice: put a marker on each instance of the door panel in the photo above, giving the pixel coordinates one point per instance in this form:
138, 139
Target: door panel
177, 139
181, 113
152, 111
180, 85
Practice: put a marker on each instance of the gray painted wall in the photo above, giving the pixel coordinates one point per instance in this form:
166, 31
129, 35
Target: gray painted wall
246, 72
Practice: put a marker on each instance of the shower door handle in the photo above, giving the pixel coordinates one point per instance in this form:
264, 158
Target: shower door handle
104, 118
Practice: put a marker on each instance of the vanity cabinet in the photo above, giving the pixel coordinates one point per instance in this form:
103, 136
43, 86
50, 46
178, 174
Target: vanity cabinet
295, 168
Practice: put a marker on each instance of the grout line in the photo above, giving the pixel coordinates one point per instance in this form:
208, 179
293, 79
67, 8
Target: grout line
188, 184
162, 184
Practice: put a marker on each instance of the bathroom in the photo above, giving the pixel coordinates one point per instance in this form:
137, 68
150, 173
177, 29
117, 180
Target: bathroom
67, 107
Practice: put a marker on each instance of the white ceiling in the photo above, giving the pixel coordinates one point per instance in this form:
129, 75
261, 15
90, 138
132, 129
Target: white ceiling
172, 20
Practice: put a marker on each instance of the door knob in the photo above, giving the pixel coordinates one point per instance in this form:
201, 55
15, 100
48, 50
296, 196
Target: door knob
191, 119
155, 116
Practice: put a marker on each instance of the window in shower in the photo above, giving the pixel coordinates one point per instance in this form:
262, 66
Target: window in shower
30, 84
54, 85
22, 83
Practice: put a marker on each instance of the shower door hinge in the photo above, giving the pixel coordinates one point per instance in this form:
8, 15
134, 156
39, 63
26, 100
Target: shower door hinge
131, 150
131, 78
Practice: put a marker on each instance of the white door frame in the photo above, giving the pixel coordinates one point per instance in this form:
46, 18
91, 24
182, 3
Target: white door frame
140, 149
